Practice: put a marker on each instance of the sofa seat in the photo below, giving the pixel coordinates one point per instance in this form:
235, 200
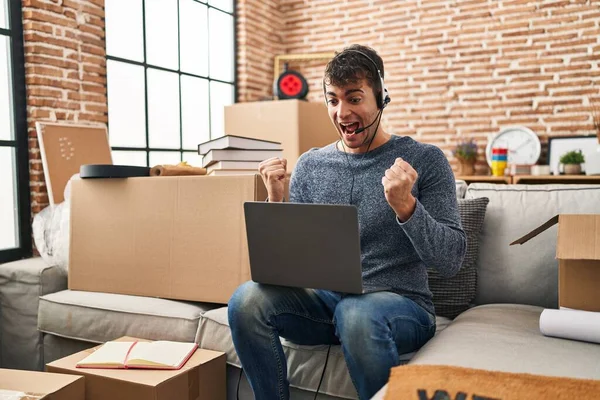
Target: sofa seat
305, 363
506, 337
100, 317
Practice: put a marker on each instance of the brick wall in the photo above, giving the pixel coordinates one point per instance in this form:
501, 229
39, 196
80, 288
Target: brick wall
260, 29
65, 72
461, 68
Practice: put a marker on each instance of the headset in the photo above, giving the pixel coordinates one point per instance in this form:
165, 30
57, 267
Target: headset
383, 99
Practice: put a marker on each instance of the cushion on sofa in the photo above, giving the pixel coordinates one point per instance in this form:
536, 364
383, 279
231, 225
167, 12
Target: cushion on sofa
526, 274
305, 363
506, 337
99, 317
451, 296
21, 284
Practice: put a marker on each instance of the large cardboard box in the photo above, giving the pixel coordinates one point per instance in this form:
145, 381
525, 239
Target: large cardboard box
202, 377
578, 253
171, 237
26, 385
299, 125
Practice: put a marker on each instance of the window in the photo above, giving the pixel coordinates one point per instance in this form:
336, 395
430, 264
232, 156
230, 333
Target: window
15, 228
170, 72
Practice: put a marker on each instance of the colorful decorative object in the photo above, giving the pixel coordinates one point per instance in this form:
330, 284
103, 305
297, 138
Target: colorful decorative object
499, 160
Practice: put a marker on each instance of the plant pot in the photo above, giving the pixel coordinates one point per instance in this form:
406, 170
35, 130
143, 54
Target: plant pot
466, 168
572, 169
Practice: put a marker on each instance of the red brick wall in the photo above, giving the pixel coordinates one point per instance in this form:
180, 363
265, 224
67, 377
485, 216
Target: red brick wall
260, 30
460, 68
65, 72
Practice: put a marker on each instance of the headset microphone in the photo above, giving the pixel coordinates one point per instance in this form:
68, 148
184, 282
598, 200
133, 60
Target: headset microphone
359, 130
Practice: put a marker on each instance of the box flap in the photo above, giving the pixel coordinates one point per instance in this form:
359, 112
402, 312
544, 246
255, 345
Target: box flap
552, 221
578, 237
33, 382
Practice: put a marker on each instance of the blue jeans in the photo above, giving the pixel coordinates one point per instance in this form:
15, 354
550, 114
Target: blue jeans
373, 329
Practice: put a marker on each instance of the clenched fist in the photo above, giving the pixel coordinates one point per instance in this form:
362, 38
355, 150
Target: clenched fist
273, 172
397, 184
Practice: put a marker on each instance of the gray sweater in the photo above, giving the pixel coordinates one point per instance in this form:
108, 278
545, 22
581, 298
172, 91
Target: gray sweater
393, 254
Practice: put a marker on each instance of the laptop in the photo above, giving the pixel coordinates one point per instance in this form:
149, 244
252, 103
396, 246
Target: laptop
313, 246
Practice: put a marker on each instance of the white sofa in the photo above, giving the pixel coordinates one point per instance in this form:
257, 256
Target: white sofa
500, 332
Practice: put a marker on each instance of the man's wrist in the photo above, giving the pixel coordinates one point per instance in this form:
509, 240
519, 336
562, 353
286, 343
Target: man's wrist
404, 213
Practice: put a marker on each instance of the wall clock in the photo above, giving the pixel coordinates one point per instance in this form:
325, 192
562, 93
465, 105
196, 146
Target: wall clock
523, 145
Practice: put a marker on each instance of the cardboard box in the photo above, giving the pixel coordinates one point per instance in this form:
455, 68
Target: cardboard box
299, 125
578, 253
176, 237
202, 377
26, 385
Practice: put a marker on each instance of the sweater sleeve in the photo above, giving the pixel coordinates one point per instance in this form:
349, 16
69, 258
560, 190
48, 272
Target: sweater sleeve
435, 229
299, 181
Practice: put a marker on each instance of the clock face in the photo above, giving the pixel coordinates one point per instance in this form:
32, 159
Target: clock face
522, 143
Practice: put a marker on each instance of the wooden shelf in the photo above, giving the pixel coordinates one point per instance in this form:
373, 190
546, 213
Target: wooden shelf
532, 179
485, 178
547, 179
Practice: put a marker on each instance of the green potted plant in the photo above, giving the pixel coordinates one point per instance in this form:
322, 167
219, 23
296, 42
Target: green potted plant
466, 154
571, 162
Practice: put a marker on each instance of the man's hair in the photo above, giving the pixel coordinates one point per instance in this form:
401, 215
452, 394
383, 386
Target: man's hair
349, 66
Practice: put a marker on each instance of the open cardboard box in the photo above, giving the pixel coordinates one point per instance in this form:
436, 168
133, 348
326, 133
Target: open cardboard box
30, 385
201, 377
175, 237
578, 253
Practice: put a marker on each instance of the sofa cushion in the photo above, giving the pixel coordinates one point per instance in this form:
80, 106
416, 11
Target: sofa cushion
305, 363
526, 274
451, 296
21, 284
506, 337
100, 317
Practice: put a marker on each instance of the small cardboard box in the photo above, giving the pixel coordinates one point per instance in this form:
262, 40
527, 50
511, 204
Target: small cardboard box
29, 385
175, 237
578, 253
202, 377
299, 125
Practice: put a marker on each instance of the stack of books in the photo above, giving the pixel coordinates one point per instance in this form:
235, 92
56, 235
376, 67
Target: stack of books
236, 155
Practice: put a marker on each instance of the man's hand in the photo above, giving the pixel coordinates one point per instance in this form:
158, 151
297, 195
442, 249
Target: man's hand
273, 172
397, 184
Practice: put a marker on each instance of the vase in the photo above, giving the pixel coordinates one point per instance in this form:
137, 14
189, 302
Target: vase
572, 169
466, 168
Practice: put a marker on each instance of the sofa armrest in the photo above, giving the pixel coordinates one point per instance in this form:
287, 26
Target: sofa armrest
21, 284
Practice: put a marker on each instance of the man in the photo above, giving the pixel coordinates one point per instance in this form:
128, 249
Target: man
405, 195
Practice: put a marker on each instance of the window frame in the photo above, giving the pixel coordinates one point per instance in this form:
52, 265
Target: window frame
21, 141
148, 149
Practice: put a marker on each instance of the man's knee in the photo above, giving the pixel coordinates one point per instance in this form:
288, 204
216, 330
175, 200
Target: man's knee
356, 321
252, 301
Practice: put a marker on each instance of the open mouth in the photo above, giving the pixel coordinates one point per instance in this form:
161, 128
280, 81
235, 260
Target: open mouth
350, 127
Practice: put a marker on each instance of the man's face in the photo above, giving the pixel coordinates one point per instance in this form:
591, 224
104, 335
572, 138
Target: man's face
352, 107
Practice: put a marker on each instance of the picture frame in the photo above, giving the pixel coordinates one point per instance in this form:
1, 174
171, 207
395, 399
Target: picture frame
557, 146
64, 148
